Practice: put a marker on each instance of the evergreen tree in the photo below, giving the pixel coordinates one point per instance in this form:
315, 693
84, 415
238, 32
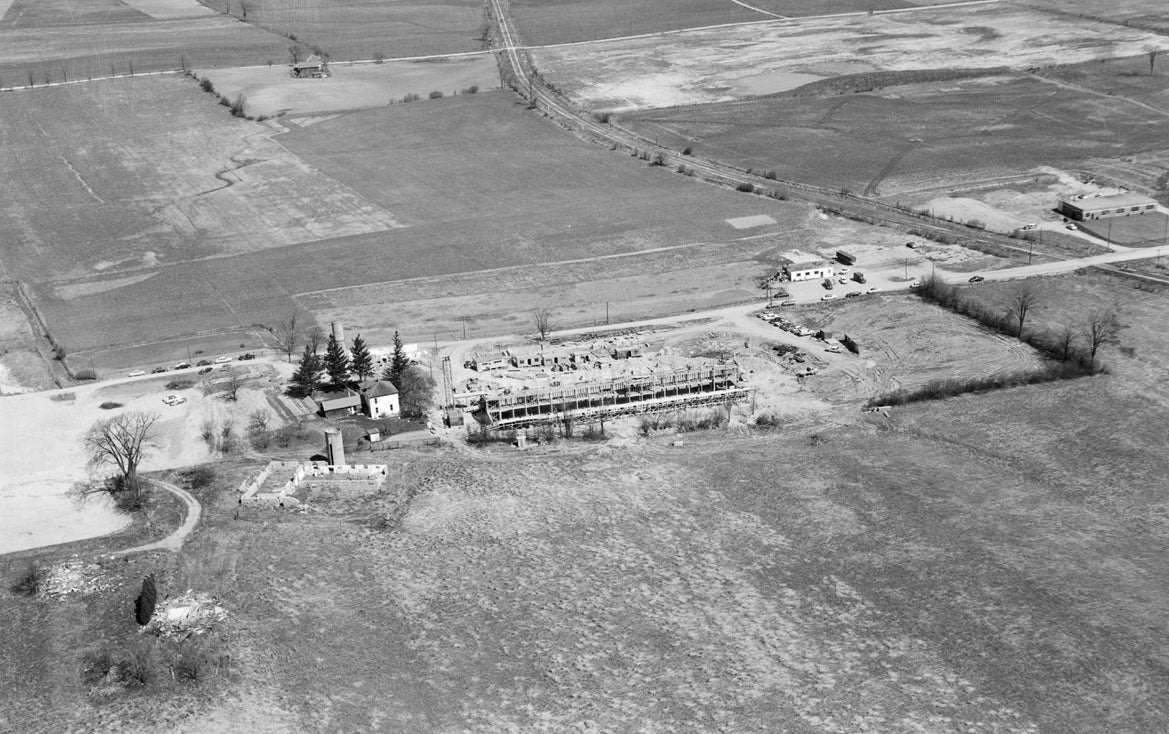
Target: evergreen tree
336, 362
398, 362
308, 374
360, 363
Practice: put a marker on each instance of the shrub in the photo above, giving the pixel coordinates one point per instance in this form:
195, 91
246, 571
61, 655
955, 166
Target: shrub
411, 97
746, 187
687, 150
593, 433
655, 422
434, 95
62, 397
198, 477
206, 85
771, 175
237, 105
768, 420
109, 405
146, 601
658, 160
603, 117
180, 384
379, 57
691, 421
27, 582
473, 89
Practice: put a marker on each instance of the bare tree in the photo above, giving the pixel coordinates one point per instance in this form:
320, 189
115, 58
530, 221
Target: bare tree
315, 337
121, 441
1065, 340
234, 382
289, 332
1025, 296
1101, 327
543, 321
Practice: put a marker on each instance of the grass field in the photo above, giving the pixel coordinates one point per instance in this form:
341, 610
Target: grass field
1150, 14
996, 573
720, 65
1146, 230
919, 137
362, 29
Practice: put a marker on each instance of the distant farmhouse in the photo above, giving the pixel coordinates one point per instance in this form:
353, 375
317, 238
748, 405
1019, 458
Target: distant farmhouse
799, 265
1103, 207
311, 68
377, 399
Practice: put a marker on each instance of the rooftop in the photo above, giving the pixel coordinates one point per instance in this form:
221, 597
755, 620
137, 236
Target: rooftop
1110, 202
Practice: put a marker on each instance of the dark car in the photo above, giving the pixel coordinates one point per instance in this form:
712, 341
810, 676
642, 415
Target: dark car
854, 294
977, 279
157, 370
182, 365
205, 370
203, 363
247, 356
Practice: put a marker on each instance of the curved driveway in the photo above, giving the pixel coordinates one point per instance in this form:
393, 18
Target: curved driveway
174, 541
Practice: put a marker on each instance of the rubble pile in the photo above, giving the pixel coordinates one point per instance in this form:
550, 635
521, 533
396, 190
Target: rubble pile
185, 615
73, 577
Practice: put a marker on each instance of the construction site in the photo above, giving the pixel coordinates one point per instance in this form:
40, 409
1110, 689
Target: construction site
585, 382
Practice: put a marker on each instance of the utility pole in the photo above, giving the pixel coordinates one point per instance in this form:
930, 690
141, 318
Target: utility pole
606, 313
464, 328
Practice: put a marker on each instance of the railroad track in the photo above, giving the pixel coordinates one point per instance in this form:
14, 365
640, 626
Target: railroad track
528, 83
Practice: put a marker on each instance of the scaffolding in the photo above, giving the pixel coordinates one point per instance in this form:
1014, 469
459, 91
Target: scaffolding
629, 395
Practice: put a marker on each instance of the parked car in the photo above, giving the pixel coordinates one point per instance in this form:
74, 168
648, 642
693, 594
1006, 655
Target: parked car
205, 370
157, 370
828, 283
173, 399
182, 365
788, 302
976, 279
137, 373
858, 277
1069, 225
828, 297
244, 357
221, 360
854, 294
914, 284
1029, 226
874, 289
834, 350
225, 367
911, 245
203, 363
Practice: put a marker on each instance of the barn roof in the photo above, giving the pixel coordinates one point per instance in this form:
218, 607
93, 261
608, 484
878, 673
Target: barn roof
312, 62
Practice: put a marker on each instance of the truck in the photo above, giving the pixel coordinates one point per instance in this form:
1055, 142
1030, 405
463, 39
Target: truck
858, 277
845, 257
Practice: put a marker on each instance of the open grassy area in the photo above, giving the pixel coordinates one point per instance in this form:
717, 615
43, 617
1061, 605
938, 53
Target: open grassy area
995, 573
920, 137
1146, 230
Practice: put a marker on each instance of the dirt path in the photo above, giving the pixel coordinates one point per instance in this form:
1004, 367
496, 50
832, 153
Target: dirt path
174, 541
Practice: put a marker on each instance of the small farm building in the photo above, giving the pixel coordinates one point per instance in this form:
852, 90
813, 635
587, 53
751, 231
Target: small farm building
625, 352
311, 68
339, 403
798, 265
1103, 207
379, 399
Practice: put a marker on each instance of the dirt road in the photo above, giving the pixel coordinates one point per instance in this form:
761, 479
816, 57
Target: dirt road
174, 541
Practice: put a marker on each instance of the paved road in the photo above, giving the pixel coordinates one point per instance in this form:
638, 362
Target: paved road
174, 541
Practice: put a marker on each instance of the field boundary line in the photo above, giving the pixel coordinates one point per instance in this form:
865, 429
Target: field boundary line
505, 268
48, 85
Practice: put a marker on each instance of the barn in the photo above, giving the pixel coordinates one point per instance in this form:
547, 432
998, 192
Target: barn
311, 68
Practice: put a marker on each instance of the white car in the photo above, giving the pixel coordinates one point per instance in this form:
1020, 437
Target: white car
137, 373
834, 350
828, 297
221, 360
1069, 225
874, 289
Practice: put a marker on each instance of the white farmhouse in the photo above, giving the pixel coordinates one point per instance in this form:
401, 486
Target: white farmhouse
380, 399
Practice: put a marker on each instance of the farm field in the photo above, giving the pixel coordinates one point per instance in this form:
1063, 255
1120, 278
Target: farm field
123, 175
542, 22
270, 91
724, 64
1150, 14
362, 29
928, 138
42, 54
916, 572
432, 159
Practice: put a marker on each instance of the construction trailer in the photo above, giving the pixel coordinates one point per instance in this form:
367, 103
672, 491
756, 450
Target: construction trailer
1104, 207
679, 389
